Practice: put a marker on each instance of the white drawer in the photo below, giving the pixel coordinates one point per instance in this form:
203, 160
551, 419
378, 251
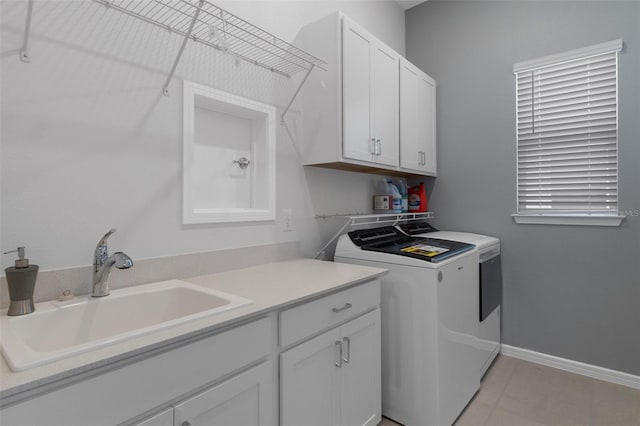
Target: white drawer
321, 314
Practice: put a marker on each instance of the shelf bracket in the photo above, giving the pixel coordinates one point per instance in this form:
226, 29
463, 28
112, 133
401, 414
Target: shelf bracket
284, 113
24, 50
337, 234
165, 88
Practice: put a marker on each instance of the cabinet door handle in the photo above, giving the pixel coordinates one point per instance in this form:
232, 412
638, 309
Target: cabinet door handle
379, 145
338, 351
374, 147
347, 353
342, 308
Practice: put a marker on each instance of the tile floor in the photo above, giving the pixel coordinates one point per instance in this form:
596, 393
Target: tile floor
520, 393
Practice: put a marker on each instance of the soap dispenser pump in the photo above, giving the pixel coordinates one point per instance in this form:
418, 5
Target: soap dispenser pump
21, 279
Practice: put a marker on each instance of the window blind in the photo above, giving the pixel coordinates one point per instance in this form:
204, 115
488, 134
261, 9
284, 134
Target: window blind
567, 136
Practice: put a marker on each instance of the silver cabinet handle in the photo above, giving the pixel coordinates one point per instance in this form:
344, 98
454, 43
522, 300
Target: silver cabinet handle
374, 147
379, 145
338, 351
347, 353
342, 308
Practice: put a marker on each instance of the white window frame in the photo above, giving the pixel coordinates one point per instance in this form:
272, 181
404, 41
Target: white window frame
556, 217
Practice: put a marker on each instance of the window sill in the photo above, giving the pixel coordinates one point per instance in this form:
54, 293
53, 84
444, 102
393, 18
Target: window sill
557, 219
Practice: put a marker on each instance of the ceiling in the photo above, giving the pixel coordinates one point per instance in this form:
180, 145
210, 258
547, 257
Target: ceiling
408, 4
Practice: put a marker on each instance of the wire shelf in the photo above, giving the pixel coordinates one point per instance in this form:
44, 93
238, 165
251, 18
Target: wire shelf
206, 23
370, 219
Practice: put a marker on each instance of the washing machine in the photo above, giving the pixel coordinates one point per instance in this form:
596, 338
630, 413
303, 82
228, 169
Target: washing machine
429, 322
489, 284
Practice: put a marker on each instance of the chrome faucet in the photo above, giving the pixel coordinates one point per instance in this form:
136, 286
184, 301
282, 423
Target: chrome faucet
102, 264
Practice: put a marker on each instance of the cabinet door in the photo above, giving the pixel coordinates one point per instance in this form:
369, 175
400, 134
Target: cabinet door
243, 400
310, 382
361, 371
385, 104
417, 119
357, 47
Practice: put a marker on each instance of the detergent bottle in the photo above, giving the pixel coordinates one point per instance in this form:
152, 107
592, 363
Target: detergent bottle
418, 199
401, 183
396, 198
382, 198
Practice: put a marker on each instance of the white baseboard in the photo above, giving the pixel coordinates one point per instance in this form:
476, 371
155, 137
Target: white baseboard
593, 371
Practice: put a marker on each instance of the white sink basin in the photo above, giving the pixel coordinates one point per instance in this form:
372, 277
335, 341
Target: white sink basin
59, 329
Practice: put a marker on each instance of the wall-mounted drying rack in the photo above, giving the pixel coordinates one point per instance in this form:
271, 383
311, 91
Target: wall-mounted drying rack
205, 23
371, 219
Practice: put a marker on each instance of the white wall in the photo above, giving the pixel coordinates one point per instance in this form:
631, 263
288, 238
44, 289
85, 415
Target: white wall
90, 143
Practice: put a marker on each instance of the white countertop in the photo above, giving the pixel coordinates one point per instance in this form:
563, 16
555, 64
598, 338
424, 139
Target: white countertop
270, 286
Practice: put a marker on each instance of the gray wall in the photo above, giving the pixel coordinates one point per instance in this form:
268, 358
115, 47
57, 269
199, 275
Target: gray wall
570, 291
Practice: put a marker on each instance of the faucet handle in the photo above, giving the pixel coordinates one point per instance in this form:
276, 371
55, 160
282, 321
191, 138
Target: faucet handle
103, 240
101, 248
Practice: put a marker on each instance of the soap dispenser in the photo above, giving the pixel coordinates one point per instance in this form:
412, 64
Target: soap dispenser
21, 279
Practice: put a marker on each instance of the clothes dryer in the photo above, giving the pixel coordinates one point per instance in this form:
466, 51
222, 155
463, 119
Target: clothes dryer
489, 284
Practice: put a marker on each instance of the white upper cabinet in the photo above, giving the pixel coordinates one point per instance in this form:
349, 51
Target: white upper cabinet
417, 120
352, 114
357, 94
370, 97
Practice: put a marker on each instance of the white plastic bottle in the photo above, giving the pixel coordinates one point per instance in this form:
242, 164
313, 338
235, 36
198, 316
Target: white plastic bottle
382, 197
396, 204
403, 187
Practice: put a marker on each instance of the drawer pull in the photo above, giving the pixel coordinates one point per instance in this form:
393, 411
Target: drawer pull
338, 352
346, 306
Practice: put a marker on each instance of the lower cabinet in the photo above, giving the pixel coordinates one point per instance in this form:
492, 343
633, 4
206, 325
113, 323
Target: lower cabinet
243, 400
334, 378
230, 367
330, 374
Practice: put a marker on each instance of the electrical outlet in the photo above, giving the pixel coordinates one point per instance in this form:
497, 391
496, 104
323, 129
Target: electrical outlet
287, 220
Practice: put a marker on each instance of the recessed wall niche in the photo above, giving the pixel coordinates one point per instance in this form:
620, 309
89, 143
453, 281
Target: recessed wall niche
229, 157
